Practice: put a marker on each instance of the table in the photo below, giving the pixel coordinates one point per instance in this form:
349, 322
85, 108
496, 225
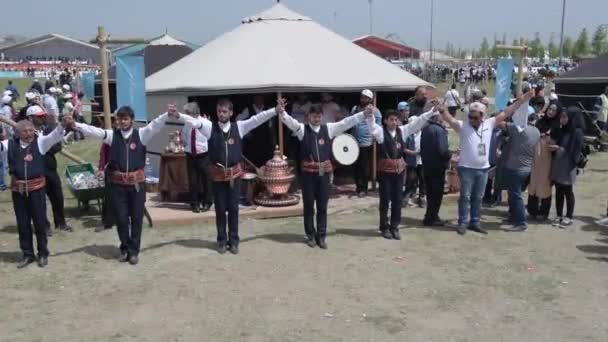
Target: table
173, 181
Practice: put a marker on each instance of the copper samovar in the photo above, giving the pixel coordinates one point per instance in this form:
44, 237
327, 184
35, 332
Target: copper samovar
277, 177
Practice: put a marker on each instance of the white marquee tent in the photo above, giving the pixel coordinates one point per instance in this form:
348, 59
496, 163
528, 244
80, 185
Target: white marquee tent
298, 55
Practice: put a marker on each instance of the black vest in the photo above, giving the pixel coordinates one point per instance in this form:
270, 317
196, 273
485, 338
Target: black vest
19, 167
392, 148
315, 146
129, 152
221, 143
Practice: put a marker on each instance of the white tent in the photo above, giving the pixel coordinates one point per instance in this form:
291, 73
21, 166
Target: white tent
279, 50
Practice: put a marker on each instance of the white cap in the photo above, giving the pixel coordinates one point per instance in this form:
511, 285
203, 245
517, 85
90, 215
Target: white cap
368, 93
553, 96
7, 92
35, 110
66, 87
58, 91
29, 95
477, 107
6, 99
53, 89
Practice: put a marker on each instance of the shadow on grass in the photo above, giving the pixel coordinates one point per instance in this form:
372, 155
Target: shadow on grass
10, 229
10, 257
106, 252
188, 243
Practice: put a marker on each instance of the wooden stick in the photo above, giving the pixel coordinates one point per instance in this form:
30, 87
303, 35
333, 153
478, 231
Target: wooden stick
280, 124
257, 169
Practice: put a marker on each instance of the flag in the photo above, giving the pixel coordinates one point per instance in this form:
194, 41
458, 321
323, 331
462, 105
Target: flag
131, 85
504, 77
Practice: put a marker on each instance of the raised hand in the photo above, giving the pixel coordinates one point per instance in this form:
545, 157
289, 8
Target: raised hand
281, 103
369, 111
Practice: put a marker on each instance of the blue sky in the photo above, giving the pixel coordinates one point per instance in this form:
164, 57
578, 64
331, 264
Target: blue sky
463, 22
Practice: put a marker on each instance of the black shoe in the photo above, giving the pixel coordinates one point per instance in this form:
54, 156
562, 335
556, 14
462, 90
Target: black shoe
43, 261
311, 242
387, 234
461, 229
25, 262
436, 223
124, 257
195, 209
322, 244
395, 233
221, 248
65, 228
133, 260
234, 249
478, 229
205, 207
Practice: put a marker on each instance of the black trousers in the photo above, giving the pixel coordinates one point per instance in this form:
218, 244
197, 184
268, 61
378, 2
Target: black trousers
434, 182
128, 207
30, 208
564, 192
535, 210
390, 194
362, 169
414, 180
315, 189
198, 175
226, 199
55, 194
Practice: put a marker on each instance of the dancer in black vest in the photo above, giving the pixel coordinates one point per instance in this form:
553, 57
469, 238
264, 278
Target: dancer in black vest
126, 168
27, 168
226, 154
391, 166
315, 154
53, 180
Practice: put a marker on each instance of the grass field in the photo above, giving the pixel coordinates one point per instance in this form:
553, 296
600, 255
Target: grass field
543, 285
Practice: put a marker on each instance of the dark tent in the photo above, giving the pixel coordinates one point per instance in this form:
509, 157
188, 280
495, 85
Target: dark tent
584, 83
156, 57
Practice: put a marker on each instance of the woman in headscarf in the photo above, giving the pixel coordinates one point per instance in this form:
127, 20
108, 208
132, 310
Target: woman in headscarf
567, 152
540, 188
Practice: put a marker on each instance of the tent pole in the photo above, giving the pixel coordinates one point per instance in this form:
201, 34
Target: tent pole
280, 124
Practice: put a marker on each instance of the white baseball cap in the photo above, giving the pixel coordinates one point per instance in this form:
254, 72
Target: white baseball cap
29, 95
477, 107
368, 93
6, 99
35, 111
66, 87
7, 92
53, 89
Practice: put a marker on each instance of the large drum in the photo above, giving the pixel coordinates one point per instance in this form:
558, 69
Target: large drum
345, 149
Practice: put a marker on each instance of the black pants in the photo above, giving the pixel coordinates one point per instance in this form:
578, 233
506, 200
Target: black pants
390, 194
128, 207
315, 189
414, 180
55, 194
362, 169
107, 215
564, 192
434, 181
200, 184
226, 199
30, 208
539, 207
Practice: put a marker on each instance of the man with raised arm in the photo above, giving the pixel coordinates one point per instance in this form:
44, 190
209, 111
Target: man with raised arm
126, 164
473, 164
226, 154
315, 159
391, 166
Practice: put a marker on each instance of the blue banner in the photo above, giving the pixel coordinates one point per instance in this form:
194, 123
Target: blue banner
131, 85
87, 80
504, 77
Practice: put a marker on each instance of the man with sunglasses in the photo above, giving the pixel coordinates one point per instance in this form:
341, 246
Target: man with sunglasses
475, 135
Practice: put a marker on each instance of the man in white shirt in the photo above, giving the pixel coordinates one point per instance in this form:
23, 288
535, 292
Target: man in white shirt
452, 100
197, 160
315, 160
226, 142
50, 102
473, 164
127, 159
330, 108
27, 168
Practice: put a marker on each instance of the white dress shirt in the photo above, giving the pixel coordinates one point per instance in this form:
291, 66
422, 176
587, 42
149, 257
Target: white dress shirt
145, 133
415, 124
244, 126
45, 142
201, 141
333, 129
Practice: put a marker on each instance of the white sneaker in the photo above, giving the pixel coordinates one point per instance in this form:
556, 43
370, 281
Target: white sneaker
603, 222
566, 222
557, 222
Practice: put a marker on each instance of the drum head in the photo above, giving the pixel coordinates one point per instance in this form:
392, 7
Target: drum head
345, 149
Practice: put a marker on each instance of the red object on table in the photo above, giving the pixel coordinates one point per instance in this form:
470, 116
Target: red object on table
173, 181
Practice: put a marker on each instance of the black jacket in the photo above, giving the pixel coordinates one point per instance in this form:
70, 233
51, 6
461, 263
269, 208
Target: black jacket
434, 148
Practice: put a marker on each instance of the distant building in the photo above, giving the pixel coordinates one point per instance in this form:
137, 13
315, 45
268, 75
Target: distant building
387, 49
437, 56
52, 46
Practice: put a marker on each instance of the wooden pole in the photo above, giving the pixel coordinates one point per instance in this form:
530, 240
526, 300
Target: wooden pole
280, 124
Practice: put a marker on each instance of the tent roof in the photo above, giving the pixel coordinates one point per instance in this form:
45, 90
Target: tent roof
592, 71
46, 38
279, 50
